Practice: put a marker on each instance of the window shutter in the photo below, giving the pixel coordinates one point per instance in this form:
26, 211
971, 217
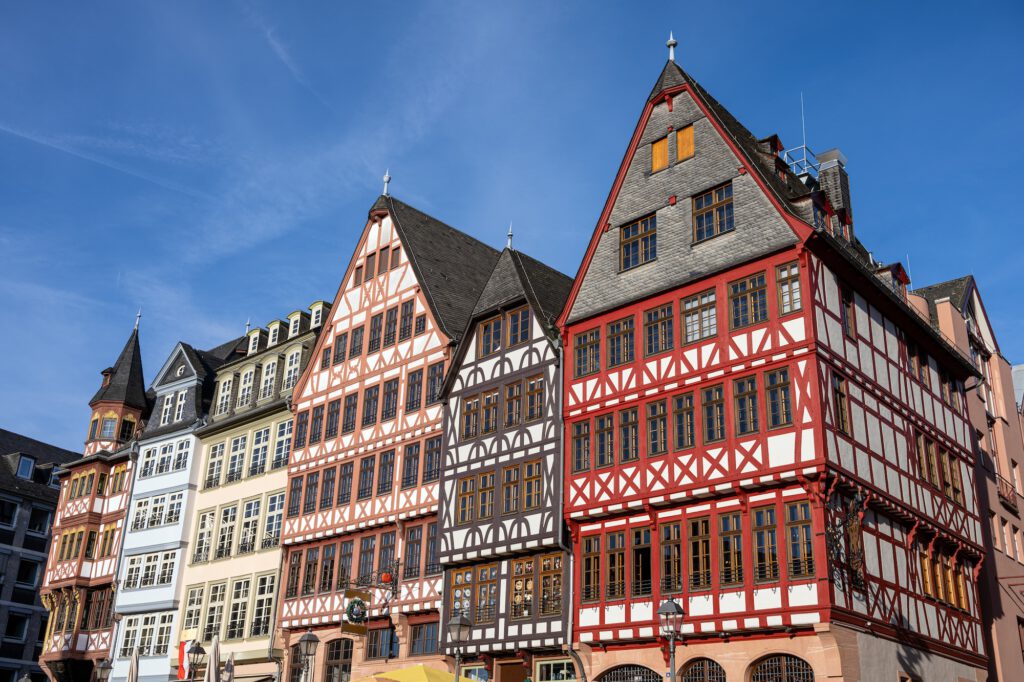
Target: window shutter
684, 143
659, 154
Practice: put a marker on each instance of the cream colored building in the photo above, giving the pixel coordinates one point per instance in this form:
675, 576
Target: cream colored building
231, 576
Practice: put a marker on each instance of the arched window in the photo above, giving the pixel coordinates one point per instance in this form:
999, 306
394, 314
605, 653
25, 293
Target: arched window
338, 662
295, 664
630, 673
702, 670
782, 668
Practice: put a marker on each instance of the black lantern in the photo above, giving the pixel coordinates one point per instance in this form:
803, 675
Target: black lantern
195, 657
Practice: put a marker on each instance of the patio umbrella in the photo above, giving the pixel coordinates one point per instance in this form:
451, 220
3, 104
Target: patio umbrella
415, 673
213, 662
133, 667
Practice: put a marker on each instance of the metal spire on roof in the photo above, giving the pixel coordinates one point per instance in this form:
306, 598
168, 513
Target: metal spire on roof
387, 179
671, 45
508, 244
248, 323
138, 316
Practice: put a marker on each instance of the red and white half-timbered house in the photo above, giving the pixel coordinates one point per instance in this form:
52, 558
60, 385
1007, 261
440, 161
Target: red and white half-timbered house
361, 508
78, 587
758, 425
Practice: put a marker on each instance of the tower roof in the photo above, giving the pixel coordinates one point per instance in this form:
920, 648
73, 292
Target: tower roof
125, 384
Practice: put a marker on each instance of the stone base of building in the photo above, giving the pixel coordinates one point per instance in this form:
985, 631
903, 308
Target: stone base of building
831, 652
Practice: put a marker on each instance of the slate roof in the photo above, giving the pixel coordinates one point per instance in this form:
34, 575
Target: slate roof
126, 383
516, 276
955, 290
451, 266
47, 457
786, 190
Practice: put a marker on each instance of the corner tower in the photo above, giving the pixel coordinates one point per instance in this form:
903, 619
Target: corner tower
118, 405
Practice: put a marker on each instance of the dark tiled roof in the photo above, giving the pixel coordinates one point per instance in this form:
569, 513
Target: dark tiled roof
786, 190
451, 266
47, 457
548, 288
126, 383
955, 290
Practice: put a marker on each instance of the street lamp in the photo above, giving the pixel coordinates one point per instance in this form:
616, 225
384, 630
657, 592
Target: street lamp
307, 649
458, 632
671, 616
195, 657
103, 669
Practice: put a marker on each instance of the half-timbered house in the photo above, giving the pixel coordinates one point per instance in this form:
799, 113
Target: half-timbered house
361, 507
88, 527
503, 543
758, 425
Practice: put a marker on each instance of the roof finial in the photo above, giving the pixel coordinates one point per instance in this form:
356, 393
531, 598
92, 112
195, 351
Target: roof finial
138, 316
508, 244
387, 179
671, 45
248, 323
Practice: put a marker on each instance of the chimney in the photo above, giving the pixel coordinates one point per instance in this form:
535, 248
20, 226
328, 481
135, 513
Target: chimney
834, 180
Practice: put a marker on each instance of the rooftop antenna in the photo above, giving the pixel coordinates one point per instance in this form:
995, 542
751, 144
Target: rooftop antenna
387, 179
508, 244
909, 276
671, 45
138, 316
803, 126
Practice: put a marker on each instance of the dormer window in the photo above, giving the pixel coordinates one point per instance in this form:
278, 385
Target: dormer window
127, 429
254, 343
26, 467
224, 397
295, 326
273, 334
165, 411
490, 337
317, 315
179, 408
54, 480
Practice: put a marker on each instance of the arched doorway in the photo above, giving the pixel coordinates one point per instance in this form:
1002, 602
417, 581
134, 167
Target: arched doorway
782, 668
630, 673
702, 670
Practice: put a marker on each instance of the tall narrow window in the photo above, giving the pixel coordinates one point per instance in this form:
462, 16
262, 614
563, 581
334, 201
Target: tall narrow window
518, 327
787, 279
731, 538
712, 213
748, 302
485, 496
659, 155
640, 578
389, 408
658, 334
432, 460
779, 404
490, 409
535, 397
371, 266
801, 547
604, 441
490, 337
435, 378
713, 404
510, 490
348, 421
628, 446
414, 390
657, 428
301, 429
411, 466
513, 404
333, 419
745, 394
620, 342
340, 348
370, 398
616, 552
848, 311
671, 558
700, 317
700, 553
587, 352
327, 488
841, 403
766, 555
413, 552
312, 488
345, 483
465, 499
683, 420
294, 495
684, 143
581, 446
532, 490
590, 575
345, 564
316, 425
367, 548
355, 348
638, 242
470, 417
390, 326
405, 323
366, 477
522, 588
376, 326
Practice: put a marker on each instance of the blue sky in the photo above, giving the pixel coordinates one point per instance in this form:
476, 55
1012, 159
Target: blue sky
214, 162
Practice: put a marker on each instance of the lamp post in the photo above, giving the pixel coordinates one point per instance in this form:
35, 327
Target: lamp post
671, 616
458, 632
195, 657
307, 649
103, 669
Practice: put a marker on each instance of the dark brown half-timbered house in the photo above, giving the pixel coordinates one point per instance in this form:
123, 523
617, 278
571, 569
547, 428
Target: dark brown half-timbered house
361, 507
502, 535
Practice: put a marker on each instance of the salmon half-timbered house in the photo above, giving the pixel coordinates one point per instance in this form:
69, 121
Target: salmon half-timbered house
758, 426
361, 508
78, 587
503, 543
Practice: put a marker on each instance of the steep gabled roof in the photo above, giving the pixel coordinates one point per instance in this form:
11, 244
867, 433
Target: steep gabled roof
126, 383
956, 290
517, 276
451, 266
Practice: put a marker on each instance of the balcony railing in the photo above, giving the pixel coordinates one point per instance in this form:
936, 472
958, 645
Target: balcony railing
1007, 492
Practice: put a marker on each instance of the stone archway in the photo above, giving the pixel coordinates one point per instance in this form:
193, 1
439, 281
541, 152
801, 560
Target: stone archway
629, 673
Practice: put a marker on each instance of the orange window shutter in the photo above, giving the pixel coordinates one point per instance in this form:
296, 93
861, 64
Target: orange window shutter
659, 154
684, 143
